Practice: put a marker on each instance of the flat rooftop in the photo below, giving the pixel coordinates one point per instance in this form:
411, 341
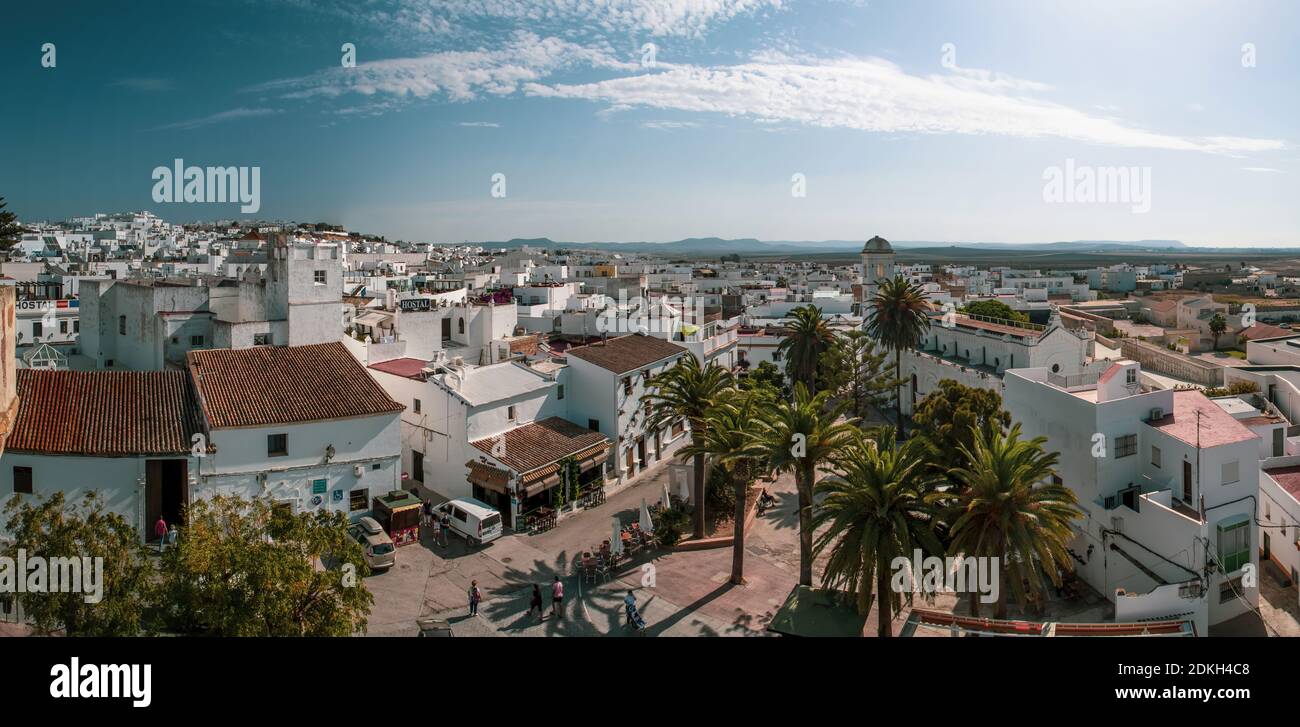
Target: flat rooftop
1216, 426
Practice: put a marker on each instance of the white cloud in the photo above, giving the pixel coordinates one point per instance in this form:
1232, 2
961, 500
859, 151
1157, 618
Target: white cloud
459, 75
872, 94
481, 124
1265, 170
231, 115
669, 125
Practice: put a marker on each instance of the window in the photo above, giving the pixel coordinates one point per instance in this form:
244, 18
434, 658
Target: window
560, 391
196, 340
1126, 446
1234, 545
121, 325
376, 466
358, 499
1229, 589
593, 425
460, 325
277, 445
76, 326
23, 480
63, 326
261, 339
1131, 376
776, 356
37, 330
1056, 368
417, 406
319, 276
627, 385
679, 426
1155, 456
1230, 472
510, 413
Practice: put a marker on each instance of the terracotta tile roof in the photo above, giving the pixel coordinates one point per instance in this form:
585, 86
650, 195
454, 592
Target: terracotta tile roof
626, 353
283, 384
542, 443
1217, 427
104, 413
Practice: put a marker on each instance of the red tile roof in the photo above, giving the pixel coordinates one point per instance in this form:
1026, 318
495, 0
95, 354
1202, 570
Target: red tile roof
1288, 478
411, 368
541, 443
626, 353
279, 385
104, 413
1217, 426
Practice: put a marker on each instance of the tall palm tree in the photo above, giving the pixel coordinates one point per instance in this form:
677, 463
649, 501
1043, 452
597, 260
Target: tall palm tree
802, 436
1008, 508
807, 339
687, 391
882, 506
898, 320
730, 439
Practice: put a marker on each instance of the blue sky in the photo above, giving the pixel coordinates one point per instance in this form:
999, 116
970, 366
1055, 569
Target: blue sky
742, 95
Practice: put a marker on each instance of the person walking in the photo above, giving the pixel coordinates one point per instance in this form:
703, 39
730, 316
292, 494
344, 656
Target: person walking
160, 530
172, 534
446, 526
475, 595
633, 615
437, 531
536, 603
557, 598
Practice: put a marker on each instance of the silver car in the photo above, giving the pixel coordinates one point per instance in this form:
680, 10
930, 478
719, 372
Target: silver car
380, 552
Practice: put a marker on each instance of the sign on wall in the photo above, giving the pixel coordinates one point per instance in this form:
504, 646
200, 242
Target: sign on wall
411, 305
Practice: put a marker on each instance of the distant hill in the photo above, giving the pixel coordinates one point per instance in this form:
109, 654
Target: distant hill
698, 246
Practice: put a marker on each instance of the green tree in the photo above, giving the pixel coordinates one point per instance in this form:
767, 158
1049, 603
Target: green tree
243, 568
767, 379
729, 438
898, 320
687, 391
948, 417
807, 338
803, 436
882, 506
995, 309
10, 230
53, 529
1218, 326
1009, 509
856, 369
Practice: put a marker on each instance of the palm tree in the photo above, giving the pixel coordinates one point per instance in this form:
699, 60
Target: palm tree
807, 339
1218, 325
1008, 508
687, 391
802, 436
883, 506
729, 438
898, 321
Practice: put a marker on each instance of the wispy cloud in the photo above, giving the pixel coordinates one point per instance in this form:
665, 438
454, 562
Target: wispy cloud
481, 124
143, 84
669, 125
1264, 170
231, 115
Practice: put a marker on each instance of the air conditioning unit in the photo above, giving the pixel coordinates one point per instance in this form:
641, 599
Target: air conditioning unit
358, 470
1157, 414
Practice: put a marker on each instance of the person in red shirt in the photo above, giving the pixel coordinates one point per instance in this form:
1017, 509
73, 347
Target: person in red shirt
557, 598
160, 529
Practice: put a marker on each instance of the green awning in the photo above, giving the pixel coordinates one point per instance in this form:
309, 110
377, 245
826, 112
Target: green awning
817, 612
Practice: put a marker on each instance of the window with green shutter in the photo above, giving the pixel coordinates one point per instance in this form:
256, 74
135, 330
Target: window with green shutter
1234, 545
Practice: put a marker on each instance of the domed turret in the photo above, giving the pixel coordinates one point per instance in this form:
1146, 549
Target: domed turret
877, 244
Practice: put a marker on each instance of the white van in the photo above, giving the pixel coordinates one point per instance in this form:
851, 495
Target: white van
475, 521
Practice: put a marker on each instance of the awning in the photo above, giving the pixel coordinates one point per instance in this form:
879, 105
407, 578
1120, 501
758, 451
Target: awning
488, 477
372, 319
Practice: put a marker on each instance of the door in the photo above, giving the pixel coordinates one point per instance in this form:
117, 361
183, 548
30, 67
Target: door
627, 460
1265, 547
1187, 482
640, 451
417, 466
446, 331
166, 492
1279, 440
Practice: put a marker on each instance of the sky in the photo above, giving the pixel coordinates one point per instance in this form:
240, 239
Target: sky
655, 120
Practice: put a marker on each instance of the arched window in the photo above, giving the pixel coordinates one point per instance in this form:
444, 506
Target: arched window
460, 325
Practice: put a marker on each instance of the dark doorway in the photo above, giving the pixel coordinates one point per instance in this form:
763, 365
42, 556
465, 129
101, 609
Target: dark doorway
446, 331
166, 492
1266, 552
417, 466
1279, 440
913, 392
640, 451
1187, 482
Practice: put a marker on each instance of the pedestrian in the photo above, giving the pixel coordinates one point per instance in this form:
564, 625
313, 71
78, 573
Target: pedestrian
633, 615
557, 598
172, 534
536, 603
475, 595
437, 531
446, 527
160, 530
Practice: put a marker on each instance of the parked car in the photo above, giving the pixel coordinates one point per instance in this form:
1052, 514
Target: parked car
434, 628
380, 552
475, 521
